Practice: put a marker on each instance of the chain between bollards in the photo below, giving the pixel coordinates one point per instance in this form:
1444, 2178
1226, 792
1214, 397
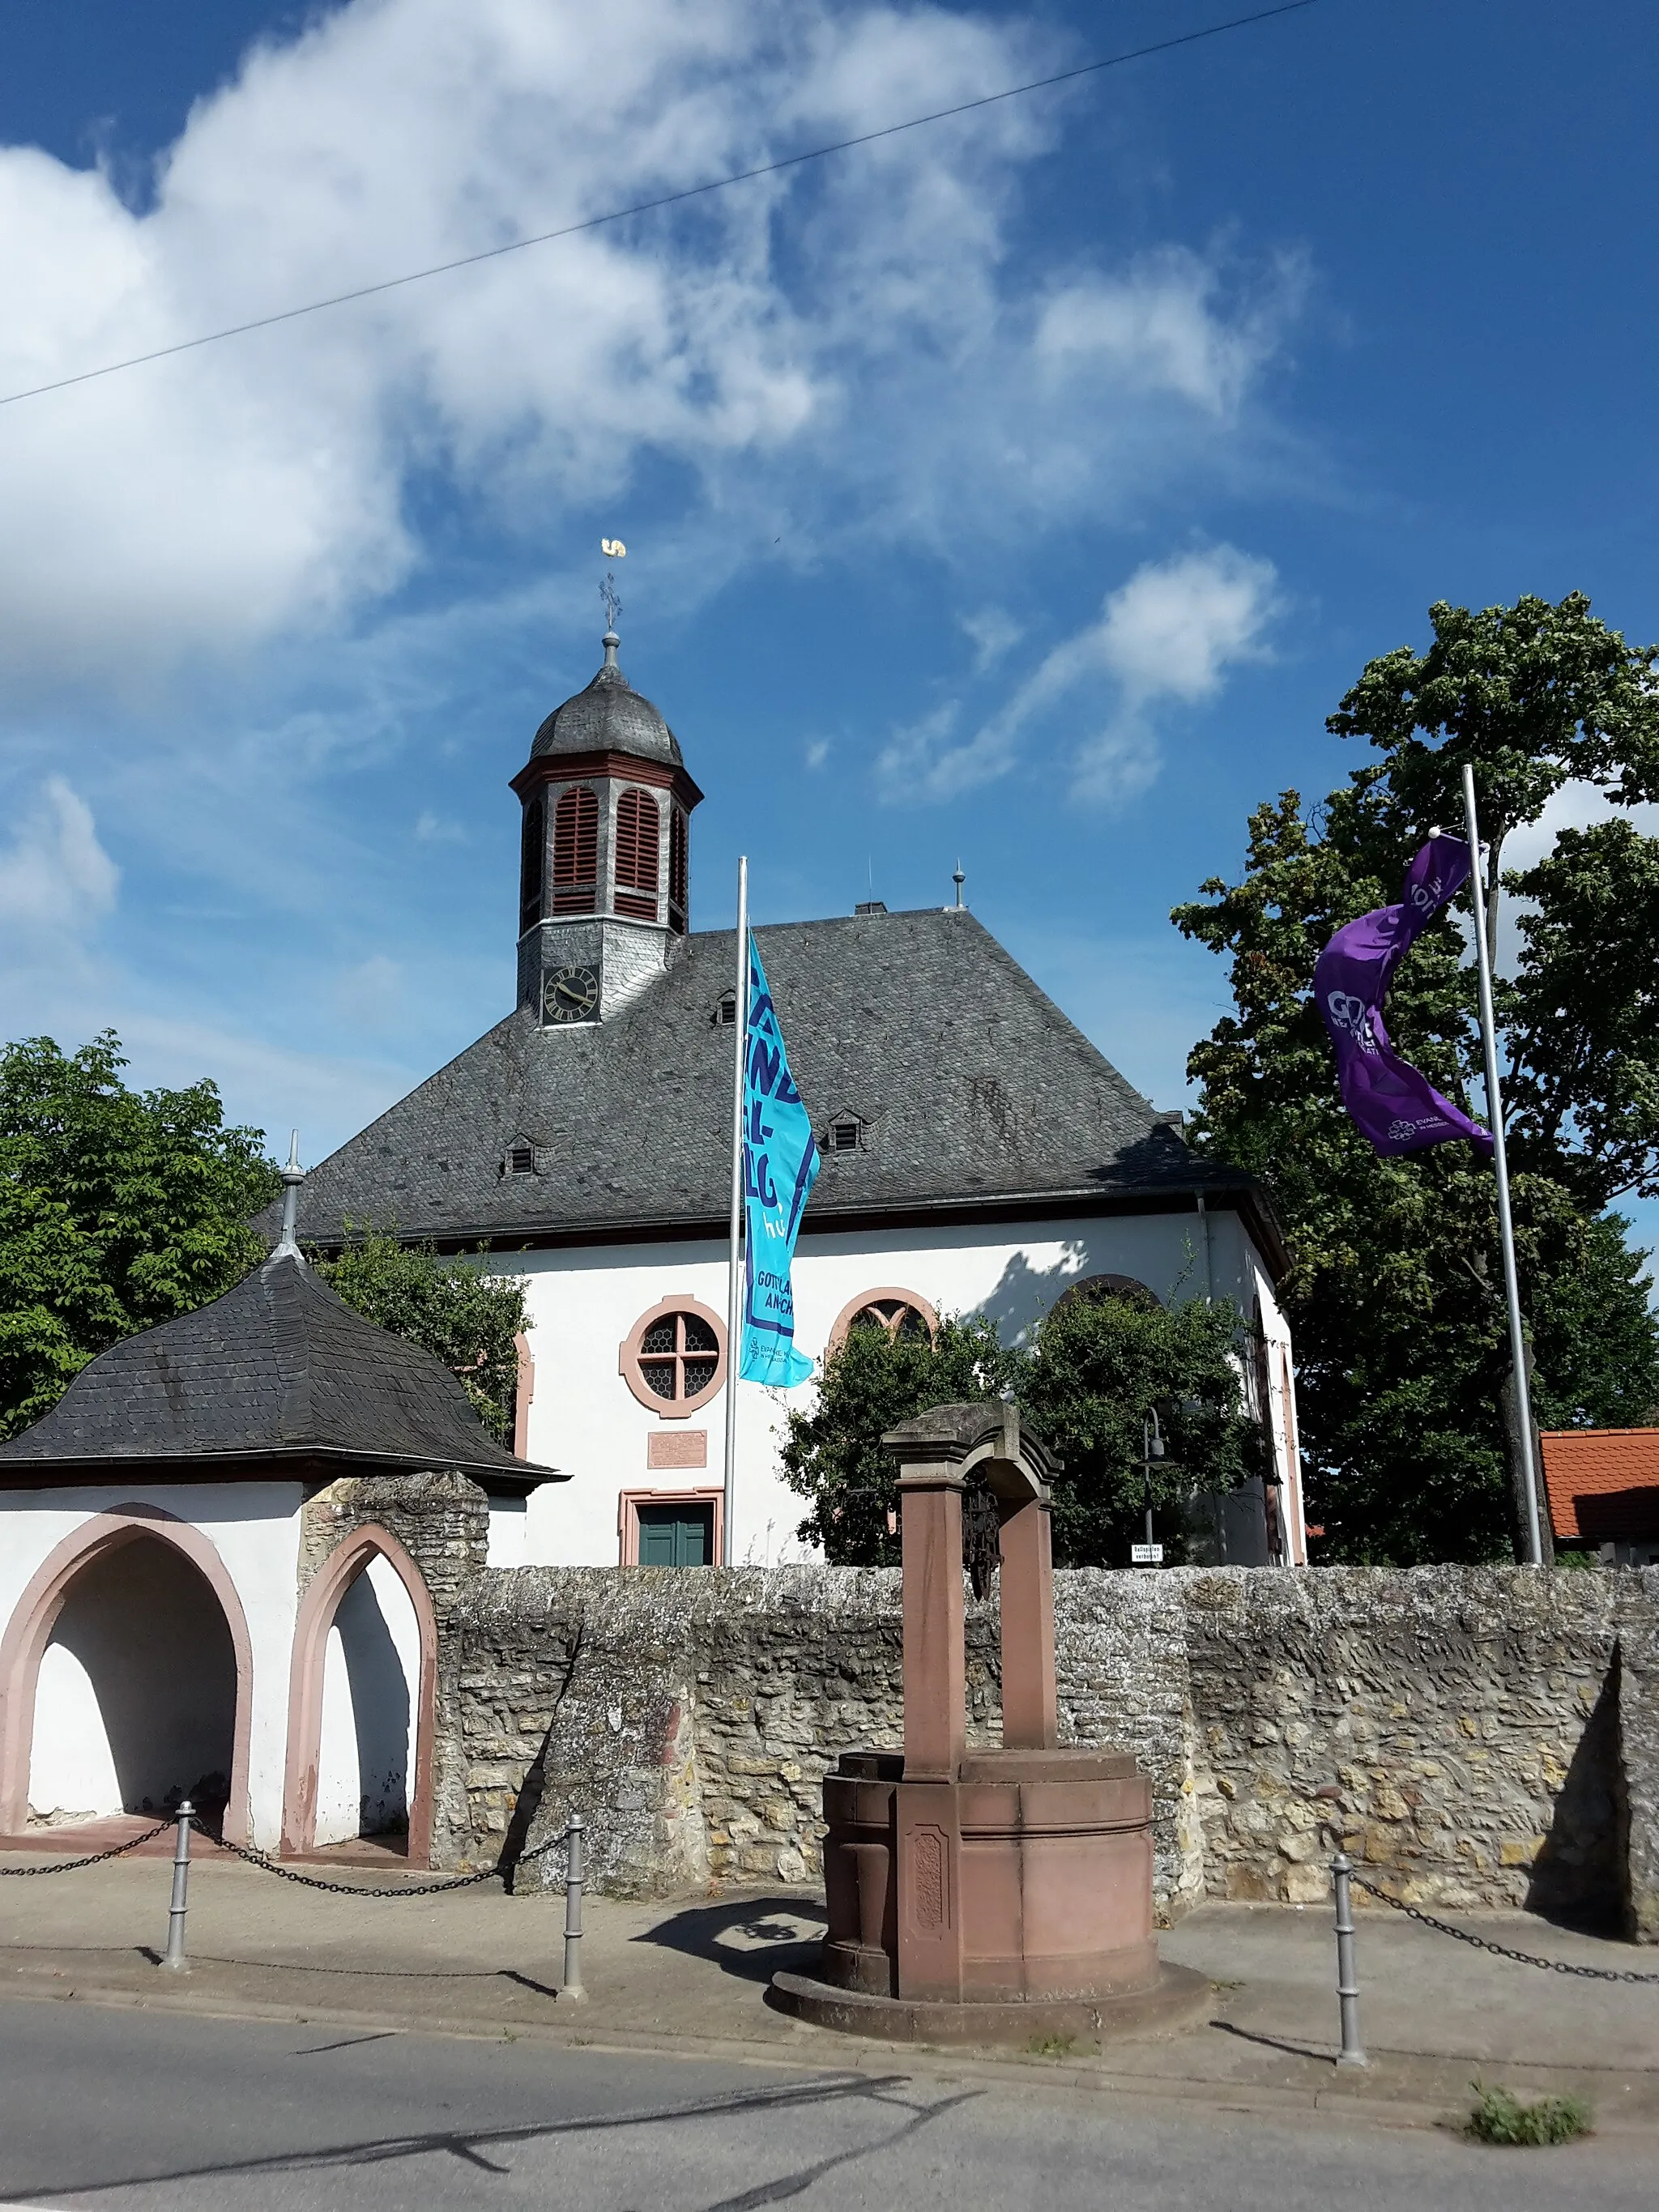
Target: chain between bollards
175, 1956
1352, 2052
571, 1986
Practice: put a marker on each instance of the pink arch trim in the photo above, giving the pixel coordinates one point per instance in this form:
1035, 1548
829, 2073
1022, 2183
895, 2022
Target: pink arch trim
304, 1696
35, 1615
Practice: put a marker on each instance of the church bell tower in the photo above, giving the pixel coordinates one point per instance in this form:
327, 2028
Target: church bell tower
604, 867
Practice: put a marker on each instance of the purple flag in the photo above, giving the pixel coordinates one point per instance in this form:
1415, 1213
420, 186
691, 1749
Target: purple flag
1394, 1108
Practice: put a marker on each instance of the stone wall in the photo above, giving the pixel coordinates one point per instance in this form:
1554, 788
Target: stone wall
1480, 1736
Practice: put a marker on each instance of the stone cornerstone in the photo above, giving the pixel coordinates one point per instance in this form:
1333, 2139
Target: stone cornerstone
1486, 1736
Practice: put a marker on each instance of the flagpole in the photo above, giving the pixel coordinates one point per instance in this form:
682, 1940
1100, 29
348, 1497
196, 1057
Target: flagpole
734, 1276
1506, 1226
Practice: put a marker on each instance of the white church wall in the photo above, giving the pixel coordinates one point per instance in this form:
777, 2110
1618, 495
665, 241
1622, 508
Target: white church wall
371, 1677
583, 1301
255, 1528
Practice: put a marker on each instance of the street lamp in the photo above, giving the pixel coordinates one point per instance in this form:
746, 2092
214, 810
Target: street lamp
1149, 1554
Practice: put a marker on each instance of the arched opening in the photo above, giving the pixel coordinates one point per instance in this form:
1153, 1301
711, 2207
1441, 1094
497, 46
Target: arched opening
371, 1684
532, 863
361, 1703
638, 833
576, 851
135, 1703
126, 1678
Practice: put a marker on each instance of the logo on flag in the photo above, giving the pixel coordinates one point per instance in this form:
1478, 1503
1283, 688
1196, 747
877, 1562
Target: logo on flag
780, 1166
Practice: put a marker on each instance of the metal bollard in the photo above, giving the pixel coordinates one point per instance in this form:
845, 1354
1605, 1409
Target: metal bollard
174, 1955
571, 1986
1352, 2052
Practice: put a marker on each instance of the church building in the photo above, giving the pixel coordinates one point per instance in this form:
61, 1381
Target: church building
980, 1156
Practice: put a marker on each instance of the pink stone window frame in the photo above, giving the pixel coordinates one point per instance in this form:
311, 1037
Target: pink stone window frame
629, 1357
629, 1502
890, 1294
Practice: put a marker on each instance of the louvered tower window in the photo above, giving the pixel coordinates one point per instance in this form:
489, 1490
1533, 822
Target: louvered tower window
637, 863
678, 870
532, 864
576, 852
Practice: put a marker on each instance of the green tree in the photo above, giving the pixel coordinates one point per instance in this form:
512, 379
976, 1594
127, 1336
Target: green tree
1094, 1371
453, 1309
1534, 697
1396, 1282
832, 1454
1099, 1369
118, 1209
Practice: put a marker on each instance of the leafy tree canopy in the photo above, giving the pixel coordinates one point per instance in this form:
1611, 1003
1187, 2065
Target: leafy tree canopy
1396, 1285
466, 1318
118, 1209
1092, 1374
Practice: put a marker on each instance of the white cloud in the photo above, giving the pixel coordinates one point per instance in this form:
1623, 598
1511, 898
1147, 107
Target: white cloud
992, 632
432, 828
55, 877
1161, 325
785, 342
1172, 632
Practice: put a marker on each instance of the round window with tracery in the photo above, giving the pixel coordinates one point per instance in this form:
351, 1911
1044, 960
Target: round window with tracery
673, 1358
899, 1315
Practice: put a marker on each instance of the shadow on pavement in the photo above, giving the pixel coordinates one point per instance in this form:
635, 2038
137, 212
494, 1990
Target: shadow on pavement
752, 1937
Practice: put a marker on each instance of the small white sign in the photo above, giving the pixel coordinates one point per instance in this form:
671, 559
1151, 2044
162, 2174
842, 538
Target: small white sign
1145, 1555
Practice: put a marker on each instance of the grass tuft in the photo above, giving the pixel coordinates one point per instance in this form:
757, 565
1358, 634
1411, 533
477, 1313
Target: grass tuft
1053, 2046
1500, 2116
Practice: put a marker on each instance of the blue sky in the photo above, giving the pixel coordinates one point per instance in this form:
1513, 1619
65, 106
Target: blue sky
1028, 487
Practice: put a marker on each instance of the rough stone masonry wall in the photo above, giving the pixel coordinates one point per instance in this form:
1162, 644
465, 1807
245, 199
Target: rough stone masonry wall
1486, 1736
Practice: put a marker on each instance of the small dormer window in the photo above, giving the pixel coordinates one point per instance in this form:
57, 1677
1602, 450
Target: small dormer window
725, 1014
844, 1134
525, 1157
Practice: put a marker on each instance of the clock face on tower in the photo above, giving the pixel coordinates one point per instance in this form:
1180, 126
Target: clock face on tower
570, 994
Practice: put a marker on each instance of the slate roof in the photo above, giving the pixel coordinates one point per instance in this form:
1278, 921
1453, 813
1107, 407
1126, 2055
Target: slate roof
974, 1089
609, 717
277, 1369
1602, 1484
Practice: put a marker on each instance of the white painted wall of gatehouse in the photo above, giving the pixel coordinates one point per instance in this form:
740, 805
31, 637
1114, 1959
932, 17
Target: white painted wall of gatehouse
255, 1528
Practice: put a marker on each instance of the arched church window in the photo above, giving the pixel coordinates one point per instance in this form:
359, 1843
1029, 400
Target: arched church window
673, 1358
575, 852
899, 1314
1096, 1290
678, 868
637, 830
532, 863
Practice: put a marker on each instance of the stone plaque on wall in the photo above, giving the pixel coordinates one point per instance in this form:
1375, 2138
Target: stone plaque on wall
666, 1447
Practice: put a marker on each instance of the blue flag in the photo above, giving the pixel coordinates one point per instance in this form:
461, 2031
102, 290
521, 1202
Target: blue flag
780, 1166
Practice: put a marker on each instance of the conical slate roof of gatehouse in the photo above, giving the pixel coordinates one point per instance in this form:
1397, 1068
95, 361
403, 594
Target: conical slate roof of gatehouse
279, 1370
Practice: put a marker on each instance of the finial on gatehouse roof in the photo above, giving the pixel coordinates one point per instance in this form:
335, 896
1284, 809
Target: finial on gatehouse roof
293, 1175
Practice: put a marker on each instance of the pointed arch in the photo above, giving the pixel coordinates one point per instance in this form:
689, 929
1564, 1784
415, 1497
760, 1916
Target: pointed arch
35, 1614
318, 1607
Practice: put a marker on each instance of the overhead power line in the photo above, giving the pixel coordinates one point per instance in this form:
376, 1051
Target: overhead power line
664, 200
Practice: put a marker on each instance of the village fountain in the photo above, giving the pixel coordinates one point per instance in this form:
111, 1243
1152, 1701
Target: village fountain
996, 1895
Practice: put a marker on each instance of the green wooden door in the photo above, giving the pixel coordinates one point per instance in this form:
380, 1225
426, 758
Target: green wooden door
677, 1535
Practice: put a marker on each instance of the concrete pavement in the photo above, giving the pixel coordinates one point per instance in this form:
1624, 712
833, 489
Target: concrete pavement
689, 1976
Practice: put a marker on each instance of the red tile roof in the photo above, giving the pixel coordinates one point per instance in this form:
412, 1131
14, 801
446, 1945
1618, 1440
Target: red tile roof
1603, 1483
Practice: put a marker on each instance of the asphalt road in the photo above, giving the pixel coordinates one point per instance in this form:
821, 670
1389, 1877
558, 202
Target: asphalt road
118, 2109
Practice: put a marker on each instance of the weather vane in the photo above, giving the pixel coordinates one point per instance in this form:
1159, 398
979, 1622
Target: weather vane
614, 549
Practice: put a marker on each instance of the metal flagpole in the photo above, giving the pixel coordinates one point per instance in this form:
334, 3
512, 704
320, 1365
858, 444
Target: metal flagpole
734, 1285
1506, 1226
